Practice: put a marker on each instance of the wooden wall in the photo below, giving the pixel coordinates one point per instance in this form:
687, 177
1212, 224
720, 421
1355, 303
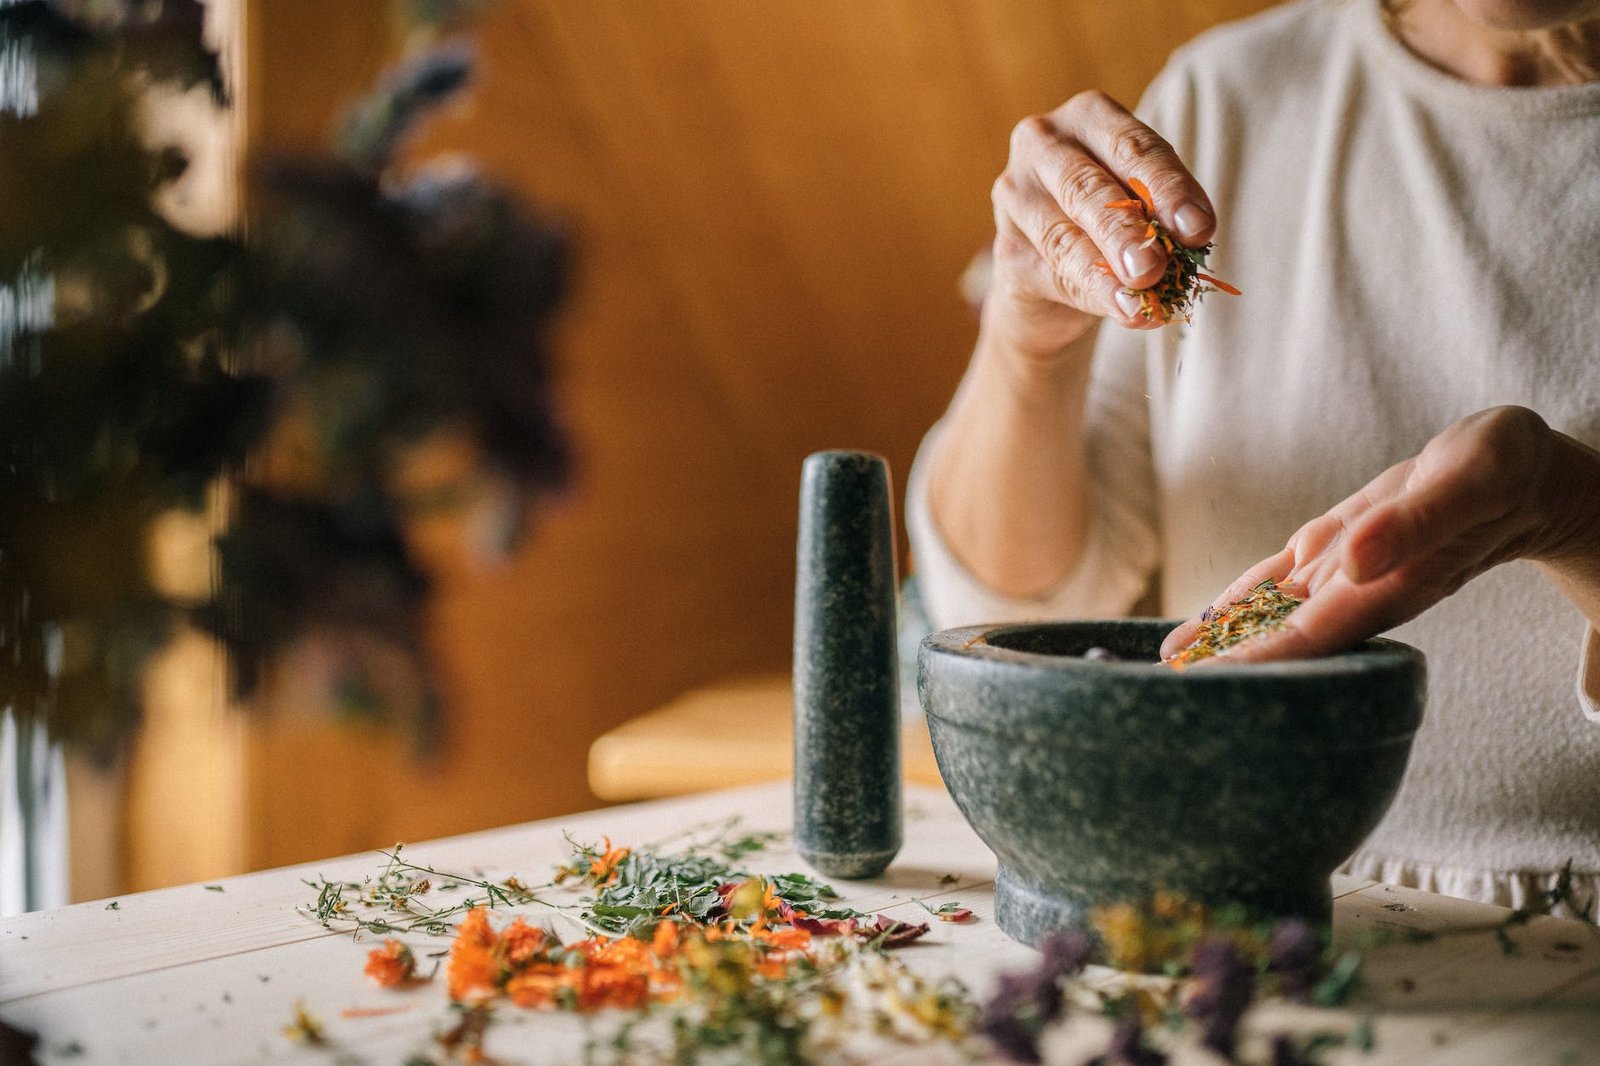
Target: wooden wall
771, 205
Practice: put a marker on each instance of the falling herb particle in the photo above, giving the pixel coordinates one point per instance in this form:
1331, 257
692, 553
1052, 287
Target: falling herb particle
948, 879
215, 888
113, 906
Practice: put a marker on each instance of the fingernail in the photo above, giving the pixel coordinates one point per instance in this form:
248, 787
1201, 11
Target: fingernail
1139, 260
1191, 220
1128, 302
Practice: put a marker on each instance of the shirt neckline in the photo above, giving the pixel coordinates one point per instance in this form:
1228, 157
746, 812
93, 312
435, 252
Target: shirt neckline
1427, 81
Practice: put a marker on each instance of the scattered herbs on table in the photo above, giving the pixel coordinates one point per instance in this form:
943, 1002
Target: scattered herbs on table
686, 954
394, 902
687, 958
1261, 611
1183, 282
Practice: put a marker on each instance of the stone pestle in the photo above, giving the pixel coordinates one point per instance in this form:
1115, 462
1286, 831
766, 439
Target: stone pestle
847, 816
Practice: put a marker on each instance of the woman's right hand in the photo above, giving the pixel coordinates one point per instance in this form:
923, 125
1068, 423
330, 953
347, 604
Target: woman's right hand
1055, 236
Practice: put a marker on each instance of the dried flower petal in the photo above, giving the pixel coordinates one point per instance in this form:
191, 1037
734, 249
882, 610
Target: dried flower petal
391, 965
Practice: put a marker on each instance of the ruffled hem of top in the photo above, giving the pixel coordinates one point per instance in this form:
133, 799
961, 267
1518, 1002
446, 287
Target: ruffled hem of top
1507, 888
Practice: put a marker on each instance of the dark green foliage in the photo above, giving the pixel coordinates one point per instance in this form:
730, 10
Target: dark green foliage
140, 364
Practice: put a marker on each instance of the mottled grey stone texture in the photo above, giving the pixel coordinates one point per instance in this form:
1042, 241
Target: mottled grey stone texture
847, 818
1098, 781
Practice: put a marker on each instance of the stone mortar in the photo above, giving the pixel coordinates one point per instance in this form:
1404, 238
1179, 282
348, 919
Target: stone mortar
1096, 782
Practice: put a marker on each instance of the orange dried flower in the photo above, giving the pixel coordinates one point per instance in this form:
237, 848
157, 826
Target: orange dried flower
393, 964
473, 970
539, 986
521, 942
603, 871
665, 940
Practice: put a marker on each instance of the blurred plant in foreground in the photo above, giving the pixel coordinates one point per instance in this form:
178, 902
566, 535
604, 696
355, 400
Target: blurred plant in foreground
376, 310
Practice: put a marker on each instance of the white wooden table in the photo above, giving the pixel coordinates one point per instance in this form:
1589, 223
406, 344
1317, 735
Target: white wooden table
213, 974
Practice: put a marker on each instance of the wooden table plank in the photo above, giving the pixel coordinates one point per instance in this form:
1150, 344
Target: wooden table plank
192, 975
1465, 964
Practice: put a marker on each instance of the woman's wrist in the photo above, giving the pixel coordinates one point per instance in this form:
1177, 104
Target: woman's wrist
1036, 341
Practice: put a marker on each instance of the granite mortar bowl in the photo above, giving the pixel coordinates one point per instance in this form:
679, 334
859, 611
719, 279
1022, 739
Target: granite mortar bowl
1097, 782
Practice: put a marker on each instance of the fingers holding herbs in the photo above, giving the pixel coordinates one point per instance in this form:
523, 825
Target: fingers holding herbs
1096, 216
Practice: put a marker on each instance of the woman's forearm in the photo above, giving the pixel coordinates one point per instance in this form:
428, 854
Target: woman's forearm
1008, 489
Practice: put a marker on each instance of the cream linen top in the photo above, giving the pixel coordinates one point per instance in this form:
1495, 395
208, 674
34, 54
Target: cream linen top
1412, 248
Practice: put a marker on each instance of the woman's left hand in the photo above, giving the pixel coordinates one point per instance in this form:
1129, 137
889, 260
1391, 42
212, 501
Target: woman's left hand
1495, 486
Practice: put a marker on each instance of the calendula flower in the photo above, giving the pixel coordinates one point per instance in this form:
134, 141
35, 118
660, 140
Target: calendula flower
393, 964
473, 971
521, 942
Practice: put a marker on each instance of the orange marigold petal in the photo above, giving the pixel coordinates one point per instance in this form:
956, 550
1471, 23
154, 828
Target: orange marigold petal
1142, 191
1218, 283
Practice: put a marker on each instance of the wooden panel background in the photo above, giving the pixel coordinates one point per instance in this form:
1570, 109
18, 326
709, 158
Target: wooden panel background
771, 205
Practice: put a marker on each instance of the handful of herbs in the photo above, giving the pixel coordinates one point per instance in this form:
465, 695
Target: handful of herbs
1182, 283
1263, 610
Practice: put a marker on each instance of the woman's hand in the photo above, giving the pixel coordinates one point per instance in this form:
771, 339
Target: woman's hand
1497, 485
1053, 229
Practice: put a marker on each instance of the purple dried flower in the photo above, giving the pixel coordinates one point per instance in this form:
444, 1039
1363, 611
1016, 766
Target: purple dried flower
1066, 953
1025, 1003
1294, 953
1224, 986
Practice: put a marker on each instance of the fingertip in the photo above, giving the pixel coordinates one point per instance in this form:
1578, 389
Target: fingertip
1129, 304
1193, 223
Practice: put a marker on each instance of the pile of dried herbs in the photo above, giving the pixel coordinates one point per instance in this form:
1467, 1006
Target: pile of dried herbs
691, 955
1262, 610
